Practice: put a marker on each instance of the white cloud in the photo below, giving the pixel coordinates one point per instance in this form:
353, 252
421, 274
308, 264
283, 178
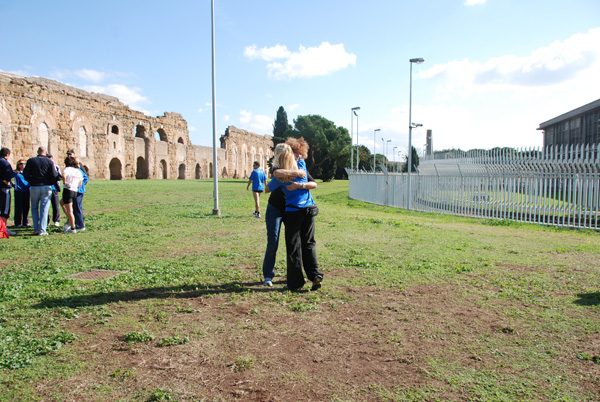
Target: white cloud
474, 2
305, 63
267, 53
559, 64
293, 107
90, 75
82, 74
129, 96
256, 123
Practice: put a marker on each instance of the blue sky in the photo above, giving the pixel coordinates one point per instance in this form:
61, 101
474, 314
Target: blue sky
494, 69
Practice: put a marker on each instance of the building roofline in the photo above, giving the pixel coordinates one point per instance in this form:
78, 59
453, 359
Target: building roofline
572, 113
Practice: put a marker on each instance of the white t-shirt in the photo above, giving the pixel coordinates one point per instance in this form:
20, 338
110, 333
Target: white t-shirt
72, 177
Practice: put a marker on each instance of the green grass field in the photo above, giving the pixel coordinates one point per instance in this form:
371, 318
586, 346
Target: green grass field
414, 307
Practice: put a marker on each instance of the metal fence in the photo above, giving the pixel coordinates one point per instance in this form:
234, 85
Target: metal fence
557, 186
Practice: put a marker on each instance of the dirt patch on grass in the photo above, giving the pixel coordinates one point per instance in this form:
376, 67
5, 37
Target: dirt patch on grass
266, 344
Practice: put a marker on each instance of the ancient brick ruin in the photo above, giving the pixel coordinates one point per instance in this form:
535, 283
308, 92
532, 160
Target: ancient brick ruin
111, 140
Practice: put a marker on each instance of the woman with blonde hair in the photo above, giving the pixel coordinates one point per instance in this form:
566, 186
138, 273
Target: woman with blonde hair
300, 212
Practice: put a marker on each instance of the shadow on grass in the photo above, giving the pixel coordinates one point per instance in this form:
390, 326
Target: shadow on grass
177, 292
588, 299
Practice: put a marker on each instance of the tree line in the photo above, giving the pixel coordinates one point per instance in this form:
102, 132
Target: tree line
330, 146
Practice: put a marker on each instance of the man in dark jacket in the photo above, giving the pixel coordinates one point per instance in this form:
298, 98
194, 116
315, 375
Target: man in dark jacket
41, 174
6, 174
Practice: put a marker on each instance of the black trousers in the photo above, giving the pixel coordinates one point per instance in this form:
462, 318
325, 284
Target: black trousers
301, 248
54, 200
22, 208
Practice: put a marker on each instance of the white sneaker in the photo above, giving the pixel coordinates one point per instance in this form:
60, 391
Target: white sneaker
66, 227
57, 224
268, 283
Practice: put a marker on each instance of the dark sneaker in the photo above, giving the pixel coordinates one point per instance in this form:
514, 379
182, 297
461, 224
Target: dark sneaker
317, 282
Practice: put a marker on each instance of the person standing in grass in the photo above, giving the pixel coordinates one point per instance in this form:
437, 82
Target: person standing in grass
6, 175
41, 174
21, 196
72, 179
274, 217
55, 198
300, 213
78, 204
258, 179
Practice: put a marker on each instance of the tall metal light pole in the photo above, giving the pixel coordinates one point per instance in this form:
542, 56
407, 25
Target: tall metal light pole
352, 113
410, 127
394, 156
399, 160
216, 210
374, 153
387, 146
357, 159
382, 147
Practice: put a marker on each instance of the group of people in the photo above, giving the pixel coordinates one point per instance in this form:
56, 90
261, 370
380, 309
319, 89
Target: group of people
37, 183
291, 203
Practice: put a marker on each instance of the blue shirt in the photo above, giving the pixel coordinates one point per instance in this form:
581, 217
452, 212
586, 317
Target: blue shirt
258, 178
81, 189
21, 185
297, 198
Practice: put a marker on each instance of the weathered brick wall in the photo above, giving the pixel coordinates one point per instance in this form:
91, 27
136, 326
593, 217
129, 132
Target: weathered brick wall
109, 138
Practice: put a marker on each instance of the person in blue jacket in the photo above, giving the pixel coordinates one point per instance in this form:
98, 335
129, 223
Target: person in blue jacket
22, 199
258, 179
300, 212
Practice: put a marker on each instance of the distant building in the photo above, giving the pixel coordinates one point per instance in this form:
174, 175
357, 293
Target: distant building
579, 126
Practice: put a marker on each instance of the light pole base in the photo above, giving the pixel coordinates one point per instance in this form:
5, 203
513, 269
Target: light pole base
217, 212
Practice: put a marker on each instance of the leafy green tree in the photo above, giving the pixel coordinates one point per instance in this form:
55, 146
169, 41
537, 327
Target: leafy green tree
365, 158
329, 149
415, 161
281, 127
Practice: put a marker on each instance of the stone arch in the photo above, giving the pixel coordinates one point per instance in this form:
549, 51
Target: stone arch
162, 169
210, 169
43, 135
180, 140
224, 173
114, 129
81, 128
161, 135
140, 131
42, 120
233, 154
181, 175
244, 163
198, 171
82, 141
5, 121
116, 169
141, 171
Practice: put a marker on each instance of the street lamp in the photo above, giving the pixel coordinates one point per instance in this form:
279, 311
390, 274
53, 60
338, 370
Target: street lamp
382, 146
394, 156
386, 153
374, 153
353, 111
410, 127
357, 159
216, 210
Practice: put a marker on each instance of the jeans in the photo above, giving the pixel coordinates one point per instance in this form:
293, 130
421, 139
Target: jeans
40, 204
273, 219
78, 211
